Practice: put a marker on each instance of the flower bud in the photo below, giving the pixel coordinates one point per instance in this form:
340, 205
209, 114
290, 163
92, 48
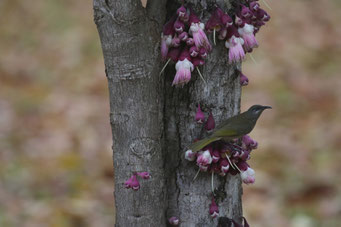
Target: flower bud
199, 116
144, 175
174, 221
210, 124
214, 210
190, 155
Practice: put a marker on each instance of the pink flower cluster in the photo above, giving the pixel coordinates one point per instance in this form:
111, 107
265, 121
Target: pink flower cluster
224, 157
238, 33
184, 41
133, 182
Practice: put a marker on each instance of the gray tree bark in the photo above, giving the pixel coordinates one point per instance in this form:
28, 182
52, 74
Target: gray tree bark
153, 122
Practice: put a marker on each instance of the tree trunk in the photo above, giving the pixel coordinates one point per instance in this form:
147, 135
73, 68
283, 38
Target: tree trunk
153, 122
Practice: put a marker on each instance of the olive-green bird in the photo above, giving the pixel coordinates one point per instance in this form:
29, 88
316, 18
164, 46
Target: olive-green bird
232, 128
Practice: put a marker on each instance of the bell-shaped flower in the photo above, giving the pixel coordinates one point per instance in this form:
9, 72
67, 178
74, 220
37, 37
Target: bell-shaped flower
214, 210
247, 33
210, 123
190, 155
199, 36
224, 165
174, 221
199, 116
243, 80
166, 37
215, 156
179, 26
144, 175
183, 36
248, 176
193, 51
183, 67
204, 158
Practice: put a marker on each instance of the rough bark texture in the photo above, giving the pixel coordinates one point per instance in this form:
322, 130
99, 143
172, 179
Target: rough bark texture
153, 122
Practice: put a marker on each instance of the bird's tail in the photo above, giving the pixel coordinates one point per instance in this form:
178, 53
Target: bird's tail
197, 146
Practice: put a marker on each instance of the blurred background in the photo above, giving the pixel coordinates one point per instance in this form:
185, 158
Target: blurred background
55, 138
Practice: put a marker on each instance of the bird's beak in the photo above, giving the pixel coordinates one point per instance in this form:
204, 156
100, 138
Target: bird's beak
267, 107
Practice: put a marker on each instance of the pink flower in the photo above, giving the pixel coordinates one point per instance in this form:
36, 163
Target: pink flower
182, 14
144, 175
247, 33
166, 41
199, 36
210, 124
249, 143
175, 42
243, 80
248, 176
193, 51
203, 53
199, 116
179, 26
236, 51
190, 155
204, 158
190, 42
214, 210
183, 36
246, 12
174, 221
132, 183
183, 72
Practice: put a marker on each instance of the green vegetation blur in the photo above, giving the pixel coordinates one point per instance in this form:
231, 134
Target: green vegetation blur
55, 139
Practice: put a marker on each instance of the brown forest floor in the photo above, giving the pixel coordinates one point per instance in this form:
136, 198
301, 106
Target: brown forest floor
55, 139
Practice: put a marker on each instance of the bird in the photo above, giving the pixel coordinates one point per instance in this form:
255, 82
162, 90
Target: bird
232, 128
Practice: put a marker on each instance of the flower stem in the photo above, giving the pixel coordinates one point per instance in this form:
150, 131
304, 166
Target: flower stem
214, 37
164, 67
201, 75
266, 4
228, 159
212, 185
253, 59
196, 175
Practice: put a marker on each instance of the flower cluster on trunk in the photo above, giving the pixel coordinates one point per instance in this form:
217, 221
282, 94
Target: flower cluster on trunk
223, 157
184, 42
133, 182
238, 30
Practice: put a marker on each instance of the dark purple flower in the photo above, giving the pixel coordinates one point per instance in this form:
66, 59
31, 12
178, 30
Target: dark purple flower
197, 61
199, 116
183, 36
174, 54
179, 26
175, 42
203, 53
210, 124
214, 210
193, 51
190, 42
214, 23
243, 80
245, 12
224, 165
215, 156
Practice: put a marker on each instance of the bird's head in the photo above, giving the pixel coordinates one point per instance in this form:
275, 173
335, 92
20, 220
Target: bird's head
256, 110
